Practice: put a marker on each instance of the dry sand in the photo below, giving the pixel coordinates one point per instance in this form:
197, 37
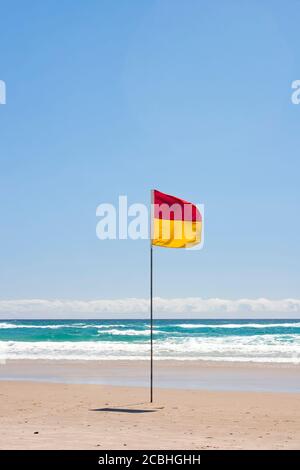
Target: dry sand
70, 416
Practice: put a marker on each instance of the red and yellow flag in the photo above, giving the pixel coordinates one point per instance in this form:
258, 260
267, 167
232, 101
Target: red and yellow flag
176, 223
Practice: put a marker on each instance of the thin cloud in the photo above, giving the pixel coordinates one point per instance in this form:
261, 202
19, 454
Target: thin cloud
192, 307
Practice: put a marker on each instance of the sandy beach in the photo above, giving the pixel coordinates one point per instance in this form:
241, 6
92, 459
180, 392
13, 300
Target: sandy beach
70, 416
49, 415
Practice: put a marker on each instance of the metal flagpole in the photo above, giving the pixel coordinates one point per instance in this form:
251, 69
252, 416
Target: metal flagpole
151, 305
151, 324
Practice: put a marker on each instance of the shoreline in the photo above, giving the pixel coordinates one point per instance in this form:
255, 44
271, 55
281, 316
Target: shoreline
101, 417
188, 375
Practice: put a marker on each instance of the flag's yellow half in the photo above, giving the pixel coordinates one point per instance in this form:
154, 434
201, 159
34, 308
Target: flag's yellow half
176, 233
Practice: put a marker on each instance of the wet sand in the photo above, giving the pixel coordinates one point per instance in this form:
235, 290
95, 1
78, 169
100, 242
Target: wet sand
168, 374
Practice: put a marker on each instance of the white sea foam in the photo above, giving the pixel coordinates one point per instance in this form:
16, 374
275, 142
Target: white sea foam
108, 325
263, 348
239, 325
127, 332
48, 327
4, 325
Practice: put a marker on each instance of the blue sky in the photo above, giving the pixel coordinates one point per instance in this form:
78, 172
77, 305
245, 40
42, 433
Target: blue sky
107, 98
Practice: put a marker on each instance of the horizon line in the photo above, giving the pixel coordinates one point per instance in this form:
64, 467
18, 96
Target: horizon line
146, 319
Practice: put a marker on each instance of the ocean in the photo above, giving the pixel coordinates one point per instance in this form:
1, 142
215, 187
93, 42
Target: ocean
275, 341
